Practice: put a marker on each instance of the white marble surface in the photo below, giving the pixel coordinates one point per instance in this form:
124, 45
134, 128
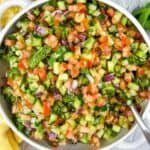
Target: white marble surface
136, 141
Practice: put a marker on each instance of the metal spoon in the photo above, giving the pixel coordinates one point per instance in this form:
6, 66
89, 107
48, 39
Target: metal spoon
140, 122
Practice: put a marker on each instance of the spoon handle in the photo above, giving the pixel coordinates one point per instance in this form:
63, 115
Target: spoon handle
140, 122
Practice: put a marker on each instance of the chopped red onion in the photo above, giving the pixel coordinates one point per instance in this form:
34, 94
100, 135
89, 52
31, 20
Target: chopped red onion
27, 124
52, 135
38, 94
54, 13
64, 42
59, 12
41, 30
74, 84
57, 94
82, 37
108, 77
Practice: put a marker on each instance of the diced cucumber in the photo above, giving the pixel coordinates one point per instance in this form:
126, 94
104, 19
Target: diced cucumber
89, 118
30, 98
32, 78
88, 44
77, 103
81, 1
100, 133
113, 29
116, 57
83, 121
133, 86
79, 17
124, 20
62, 90
48, 17
143, 47
34, 41
38, 106
55, 129
116, 128
36, 12
117, 17
71, 122
56, 67
64, 128
39, 134
92, 7
33, 86
53, 118
84, 138
110, 66
63, 76
92, 31
87, 55
125, 62
61, 5
67, 56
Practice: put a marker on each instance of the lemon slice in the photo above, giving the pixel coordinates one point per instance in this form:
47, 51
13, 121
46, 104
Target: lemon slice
8, 14
2, 1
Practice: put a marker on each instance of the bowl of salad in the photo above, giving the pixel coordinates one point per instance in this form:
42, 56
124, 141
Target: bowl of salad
73, 68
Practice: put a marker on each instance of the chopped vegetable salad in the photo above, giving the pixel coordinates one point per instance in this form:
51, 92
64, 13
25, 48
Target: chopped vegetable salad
74, 67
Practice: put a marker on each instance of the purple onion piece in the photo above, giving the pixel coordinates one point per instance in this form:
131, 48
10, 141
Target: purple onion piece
64, 42
59, 12
57, 94
82, 37
41, 30
108, 77
33, 129
52, 135
27, 124
74, 84
38, 94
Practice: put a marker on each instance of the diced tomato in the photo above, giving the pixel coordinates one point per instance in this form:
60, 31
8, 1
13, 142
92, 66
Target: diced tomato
85, 23
140, 71
110, 12
58, 121
41, 72
75, 72
138, 35
57, 20
64, 66
145, 94
81, 7
73, 61
122, 85
28, 104
126, 51
121, 28
106, 50
77, 50
83, 63
128, 77
9, 42
10, 82
104, 40
101, 101
51, 41
23, 64
25, 54
46, 108
124, 39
